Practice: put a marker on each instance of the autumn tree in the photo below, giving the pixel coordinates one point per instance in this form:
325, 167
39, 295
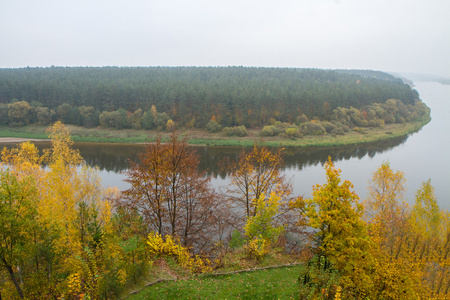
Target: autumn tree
386, 211
254, 173
170, 125
75, 210
66, 251
385, 199
17, 222
397, 248
426, 214
433, 239
169, 192
341, 237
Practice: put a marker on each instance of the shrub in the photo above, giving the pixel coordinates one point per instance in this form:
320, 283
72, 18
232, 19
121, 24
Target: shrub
257, 247
259, 229
283, 125
235, 131
292, 132
161, 120
380, 123
170, 126
363, 123
359, 130
373, 123
400, 119
338, 131
213, 126
329, 127
312, 128
276, 129
171, 247
279, 128
272, 121
261, 224
267, 131
301, 119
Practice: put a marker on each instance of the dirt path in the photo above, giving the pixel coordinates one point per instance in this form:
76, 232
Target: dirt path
18, 140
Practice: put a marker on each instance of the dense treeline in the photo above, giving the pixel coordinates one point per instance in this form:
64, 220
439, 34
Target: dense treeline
189, 96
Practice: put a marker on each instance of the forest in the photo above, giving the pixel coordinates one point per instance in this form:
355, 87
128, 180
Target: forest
228, 100
64, 236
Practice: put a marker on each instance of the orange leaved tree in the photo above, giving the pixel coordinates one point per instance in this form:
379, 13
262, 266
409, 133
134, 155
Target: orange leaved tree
169, 192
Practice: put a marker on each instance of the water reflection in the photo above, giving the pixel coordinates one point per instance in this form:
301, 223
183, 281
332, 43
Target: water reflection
115, 157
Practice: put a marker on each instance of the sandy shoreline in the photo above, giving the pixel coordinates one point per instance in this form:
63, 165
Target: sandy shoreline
18, 140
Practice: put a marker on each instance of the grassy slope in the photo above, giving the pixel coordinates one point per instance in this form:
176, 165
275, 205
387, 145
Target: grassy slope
279, 283
201, 137
231, 280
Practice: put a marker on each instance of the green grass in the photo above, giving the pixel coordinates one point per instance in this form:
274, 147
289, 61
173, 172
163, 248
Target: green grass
279, 283
22, 133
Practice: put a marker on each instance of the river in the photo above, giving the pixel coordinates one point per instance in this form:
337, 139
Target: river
421, 156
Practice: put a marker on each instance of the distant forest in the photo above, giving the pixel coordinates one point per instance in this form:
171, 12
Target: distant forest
203, 97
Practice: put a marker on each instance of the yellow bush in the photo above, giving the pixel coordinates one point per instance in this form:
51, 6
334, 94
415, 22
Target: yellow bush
169, 246
74, 284
258, 247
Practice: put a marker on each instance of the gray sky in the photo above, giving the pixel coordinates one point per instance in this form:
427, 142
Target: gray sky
386, 35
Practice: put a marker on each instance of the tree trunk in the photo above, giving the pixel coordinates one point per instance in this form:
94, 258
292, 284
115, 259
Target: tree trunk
13, 278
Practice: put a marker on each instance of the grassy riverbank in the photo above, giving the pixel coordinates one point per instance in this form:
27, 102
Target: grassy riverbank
202, 137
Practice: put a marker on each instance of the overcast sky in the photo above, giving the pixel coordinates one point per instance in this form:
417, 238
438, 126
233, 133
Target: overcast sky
387, 35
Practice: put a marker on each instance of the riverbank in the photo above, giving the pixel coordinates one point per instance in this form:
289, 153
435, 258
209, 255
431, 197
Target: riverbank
202, 137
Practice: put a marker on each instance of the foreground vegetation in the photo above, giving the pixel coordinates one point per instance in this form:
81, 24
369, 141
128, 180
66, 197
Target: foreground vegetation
64, 236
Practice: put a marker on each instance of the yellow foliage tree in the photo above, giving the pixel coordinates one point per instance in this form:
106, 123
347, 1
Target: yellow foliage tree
170, 125
74, 209
426, 214
428, 225
72, 236
397, 250
341, 237
17, 223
